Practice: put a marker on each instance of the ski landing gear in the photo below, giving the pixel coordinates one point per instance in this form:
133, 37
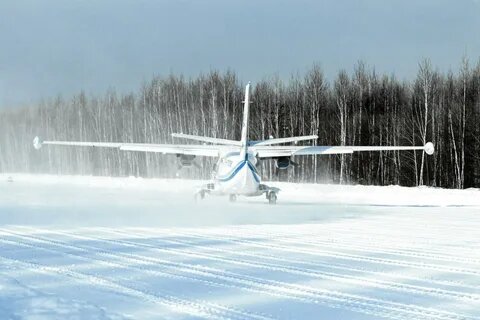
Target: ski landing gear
271, 193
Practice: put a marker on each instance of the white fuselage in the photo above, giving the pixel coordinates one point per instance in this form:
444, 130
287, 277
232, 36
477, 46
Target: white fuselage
237, 174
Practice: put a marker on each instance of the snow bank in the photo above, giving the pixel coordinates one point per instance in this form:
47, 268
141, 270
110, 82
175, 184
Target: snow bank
290, 192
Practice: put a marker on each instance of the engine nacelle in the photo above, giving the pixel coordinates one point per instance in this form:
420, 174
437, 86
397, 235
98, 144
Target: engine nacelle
283, 163
185, 160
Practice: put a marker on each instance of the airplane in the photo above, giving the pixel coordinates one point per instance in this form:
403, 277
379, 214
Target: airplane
236, 173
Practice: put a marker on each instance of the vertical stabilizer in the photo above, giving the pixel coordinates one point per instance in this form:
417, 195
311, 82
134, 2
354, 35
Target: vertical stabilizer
244, 140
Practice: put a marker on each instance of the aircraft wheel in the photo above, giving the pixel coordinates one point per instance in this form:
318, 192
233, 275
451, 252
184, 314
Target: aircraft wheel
200, 194
233, 198
272, 198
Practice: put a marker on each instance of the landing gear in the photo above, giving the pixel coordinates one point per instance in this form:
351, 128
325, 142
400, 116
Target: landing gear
232, 197
204, 190
272, 197
200, 195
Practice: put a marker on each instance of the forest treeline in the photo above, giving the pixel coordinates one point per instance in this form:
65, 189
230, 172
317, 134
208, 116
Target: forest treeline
357, 108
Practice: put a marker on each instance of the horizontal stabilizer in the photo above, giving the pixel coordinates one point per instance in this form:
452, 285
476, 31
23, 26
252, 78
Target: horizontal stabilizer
284, 140
207, 139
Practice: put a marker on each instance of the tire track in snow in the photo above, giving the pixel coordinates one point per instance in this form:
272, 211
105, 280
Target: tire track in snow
384, 284
240, 241
342, 237
377, 283
371, 306
341, 266
375, 227
193, 308
358, 245
173, 303
345, 256
353, 257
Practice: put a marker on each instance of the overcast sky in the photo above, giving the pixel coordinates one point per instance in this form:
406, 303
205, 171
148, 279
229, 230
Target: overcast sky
55, 47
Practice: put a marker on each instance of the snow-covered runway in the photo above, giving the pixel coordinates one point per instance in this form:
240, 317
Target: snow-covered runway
98, 248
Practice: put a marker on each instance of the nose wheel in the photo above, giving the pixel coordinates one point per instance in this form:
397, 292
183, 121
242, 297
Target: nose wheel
233, 198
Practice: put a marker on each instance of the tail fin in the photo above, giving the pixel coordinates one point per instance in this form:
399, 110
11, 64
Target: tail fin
244, 140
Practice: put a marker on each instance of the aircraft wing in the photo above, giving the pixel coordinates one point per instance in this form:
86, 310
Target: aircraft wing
197, 150
288, 151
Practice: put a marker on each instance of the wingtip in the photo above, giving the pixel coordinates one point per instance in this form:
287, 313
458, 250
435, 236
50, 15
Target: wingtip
429, 148
37, 143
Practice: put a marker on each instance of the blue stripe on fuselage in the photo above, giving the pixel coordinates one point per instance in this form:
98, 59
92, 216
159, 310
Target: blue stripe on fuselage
232, 173
254, 171
237, 169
